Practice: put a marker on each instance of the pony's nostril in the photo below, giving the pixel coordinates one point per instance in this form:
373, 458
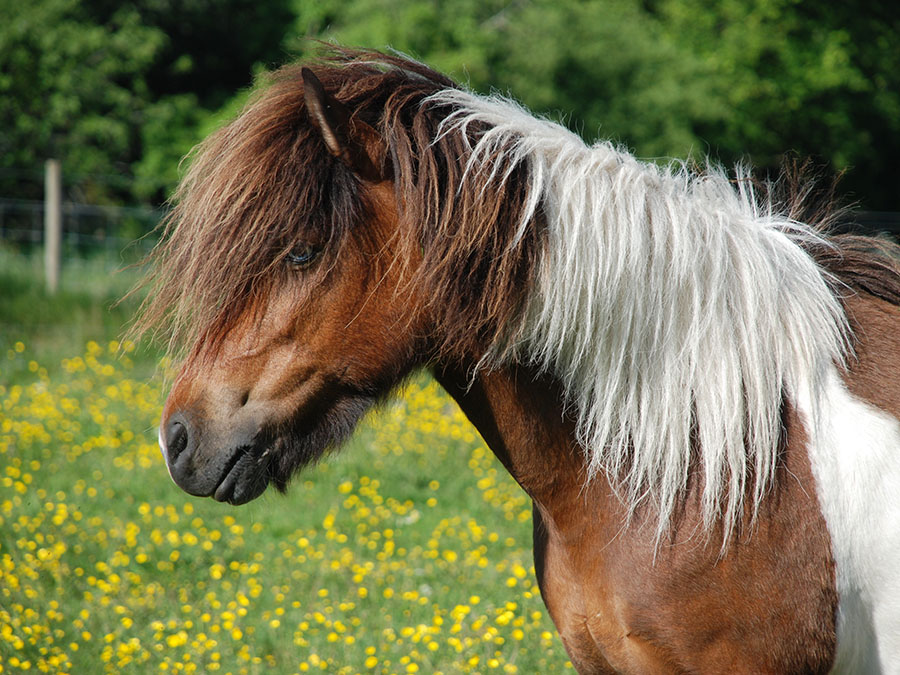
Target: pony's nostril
176, 440
244, 398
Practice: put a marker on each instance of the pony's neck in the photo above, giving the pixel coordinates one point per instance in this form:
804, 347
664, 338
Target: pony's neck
669, 306
518, 413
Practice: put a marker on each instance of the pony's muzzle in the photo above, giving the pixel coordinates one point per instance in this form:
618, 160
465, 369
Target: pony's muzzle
230, 469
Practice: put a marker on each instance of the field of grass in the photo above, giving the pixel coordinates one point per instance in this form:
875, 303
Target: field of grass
410, 551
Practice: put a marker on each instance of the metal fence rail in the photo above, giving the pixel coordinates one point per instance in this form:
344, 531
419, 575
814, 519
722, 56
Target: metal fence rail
86, 229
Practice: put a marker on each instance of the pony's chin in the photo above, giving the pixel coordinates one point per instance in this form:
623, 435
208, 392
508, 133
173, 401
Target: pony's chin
273, 458
244, 481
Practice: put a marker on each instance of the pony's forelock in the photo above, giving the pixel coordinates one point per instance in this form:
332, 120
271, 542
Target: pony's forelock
255, 188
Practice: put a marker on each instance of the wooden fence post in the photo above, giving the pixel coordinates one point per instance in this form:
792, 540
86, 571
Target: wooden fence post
52, 223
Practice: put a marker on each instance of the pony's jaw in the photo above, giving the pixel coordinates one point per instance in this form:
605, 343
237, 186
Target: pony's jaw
232, 452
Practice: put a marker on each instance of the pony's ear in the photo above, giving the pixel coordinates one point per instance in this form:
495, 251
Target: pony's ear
354, 142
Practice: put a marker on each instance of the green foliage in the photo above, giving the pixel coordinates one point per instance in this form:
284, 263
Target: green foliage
117, 89
817, 79
612, 68
70, 87
670, 78
169, 131
607, 67
128, 89
454, 37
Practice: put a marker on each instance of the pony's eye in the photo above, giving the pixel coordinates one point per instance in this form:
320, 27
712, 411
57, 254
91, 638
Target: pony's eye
302, 256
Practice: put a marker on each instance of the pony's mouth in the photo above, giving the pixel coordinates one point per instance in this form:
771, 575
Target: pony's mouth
245, 477
236, 479
238, 466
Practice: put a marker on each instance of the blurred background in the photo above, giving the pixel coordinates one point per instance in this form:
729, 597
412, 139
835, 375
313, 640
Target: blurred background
101, 99
120, 91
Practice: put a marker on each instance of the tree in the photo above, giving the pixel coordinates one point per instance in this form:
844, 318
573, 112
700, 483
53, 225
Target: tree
606, 67
70, 88
125, 90
817, 79
121, 91
738, 79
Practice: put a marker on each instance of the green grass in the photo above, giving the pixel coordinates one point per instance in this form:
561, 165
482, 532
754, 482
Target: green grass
408, 552
87, 305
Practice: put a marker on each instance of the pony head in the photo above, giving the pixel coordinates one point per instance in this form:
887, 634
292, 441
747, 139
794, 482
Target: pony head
305, 267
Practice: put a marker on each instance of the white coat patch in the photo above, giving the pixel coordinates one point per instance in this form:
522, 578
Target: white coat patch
855, 457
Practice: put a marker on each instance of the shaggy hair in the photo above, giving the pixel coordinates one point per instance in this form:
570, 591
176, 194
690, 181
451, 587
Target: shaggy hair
678, 310
265, 182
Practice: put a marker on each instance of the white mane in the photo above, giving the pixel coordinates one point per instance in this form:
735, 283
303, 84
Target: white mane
673, 307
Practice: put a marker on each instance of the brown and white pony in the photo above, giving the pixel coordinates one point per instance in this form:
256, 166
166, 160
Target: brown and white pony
699, 393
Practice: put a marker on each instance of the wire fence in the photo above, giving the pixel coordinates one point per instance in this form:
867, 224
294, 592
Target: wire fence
87, 229
125, 234
875, 222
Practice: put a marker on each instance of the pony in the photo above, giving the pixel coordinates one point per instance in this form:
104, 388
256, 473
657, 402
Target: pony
693, 381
